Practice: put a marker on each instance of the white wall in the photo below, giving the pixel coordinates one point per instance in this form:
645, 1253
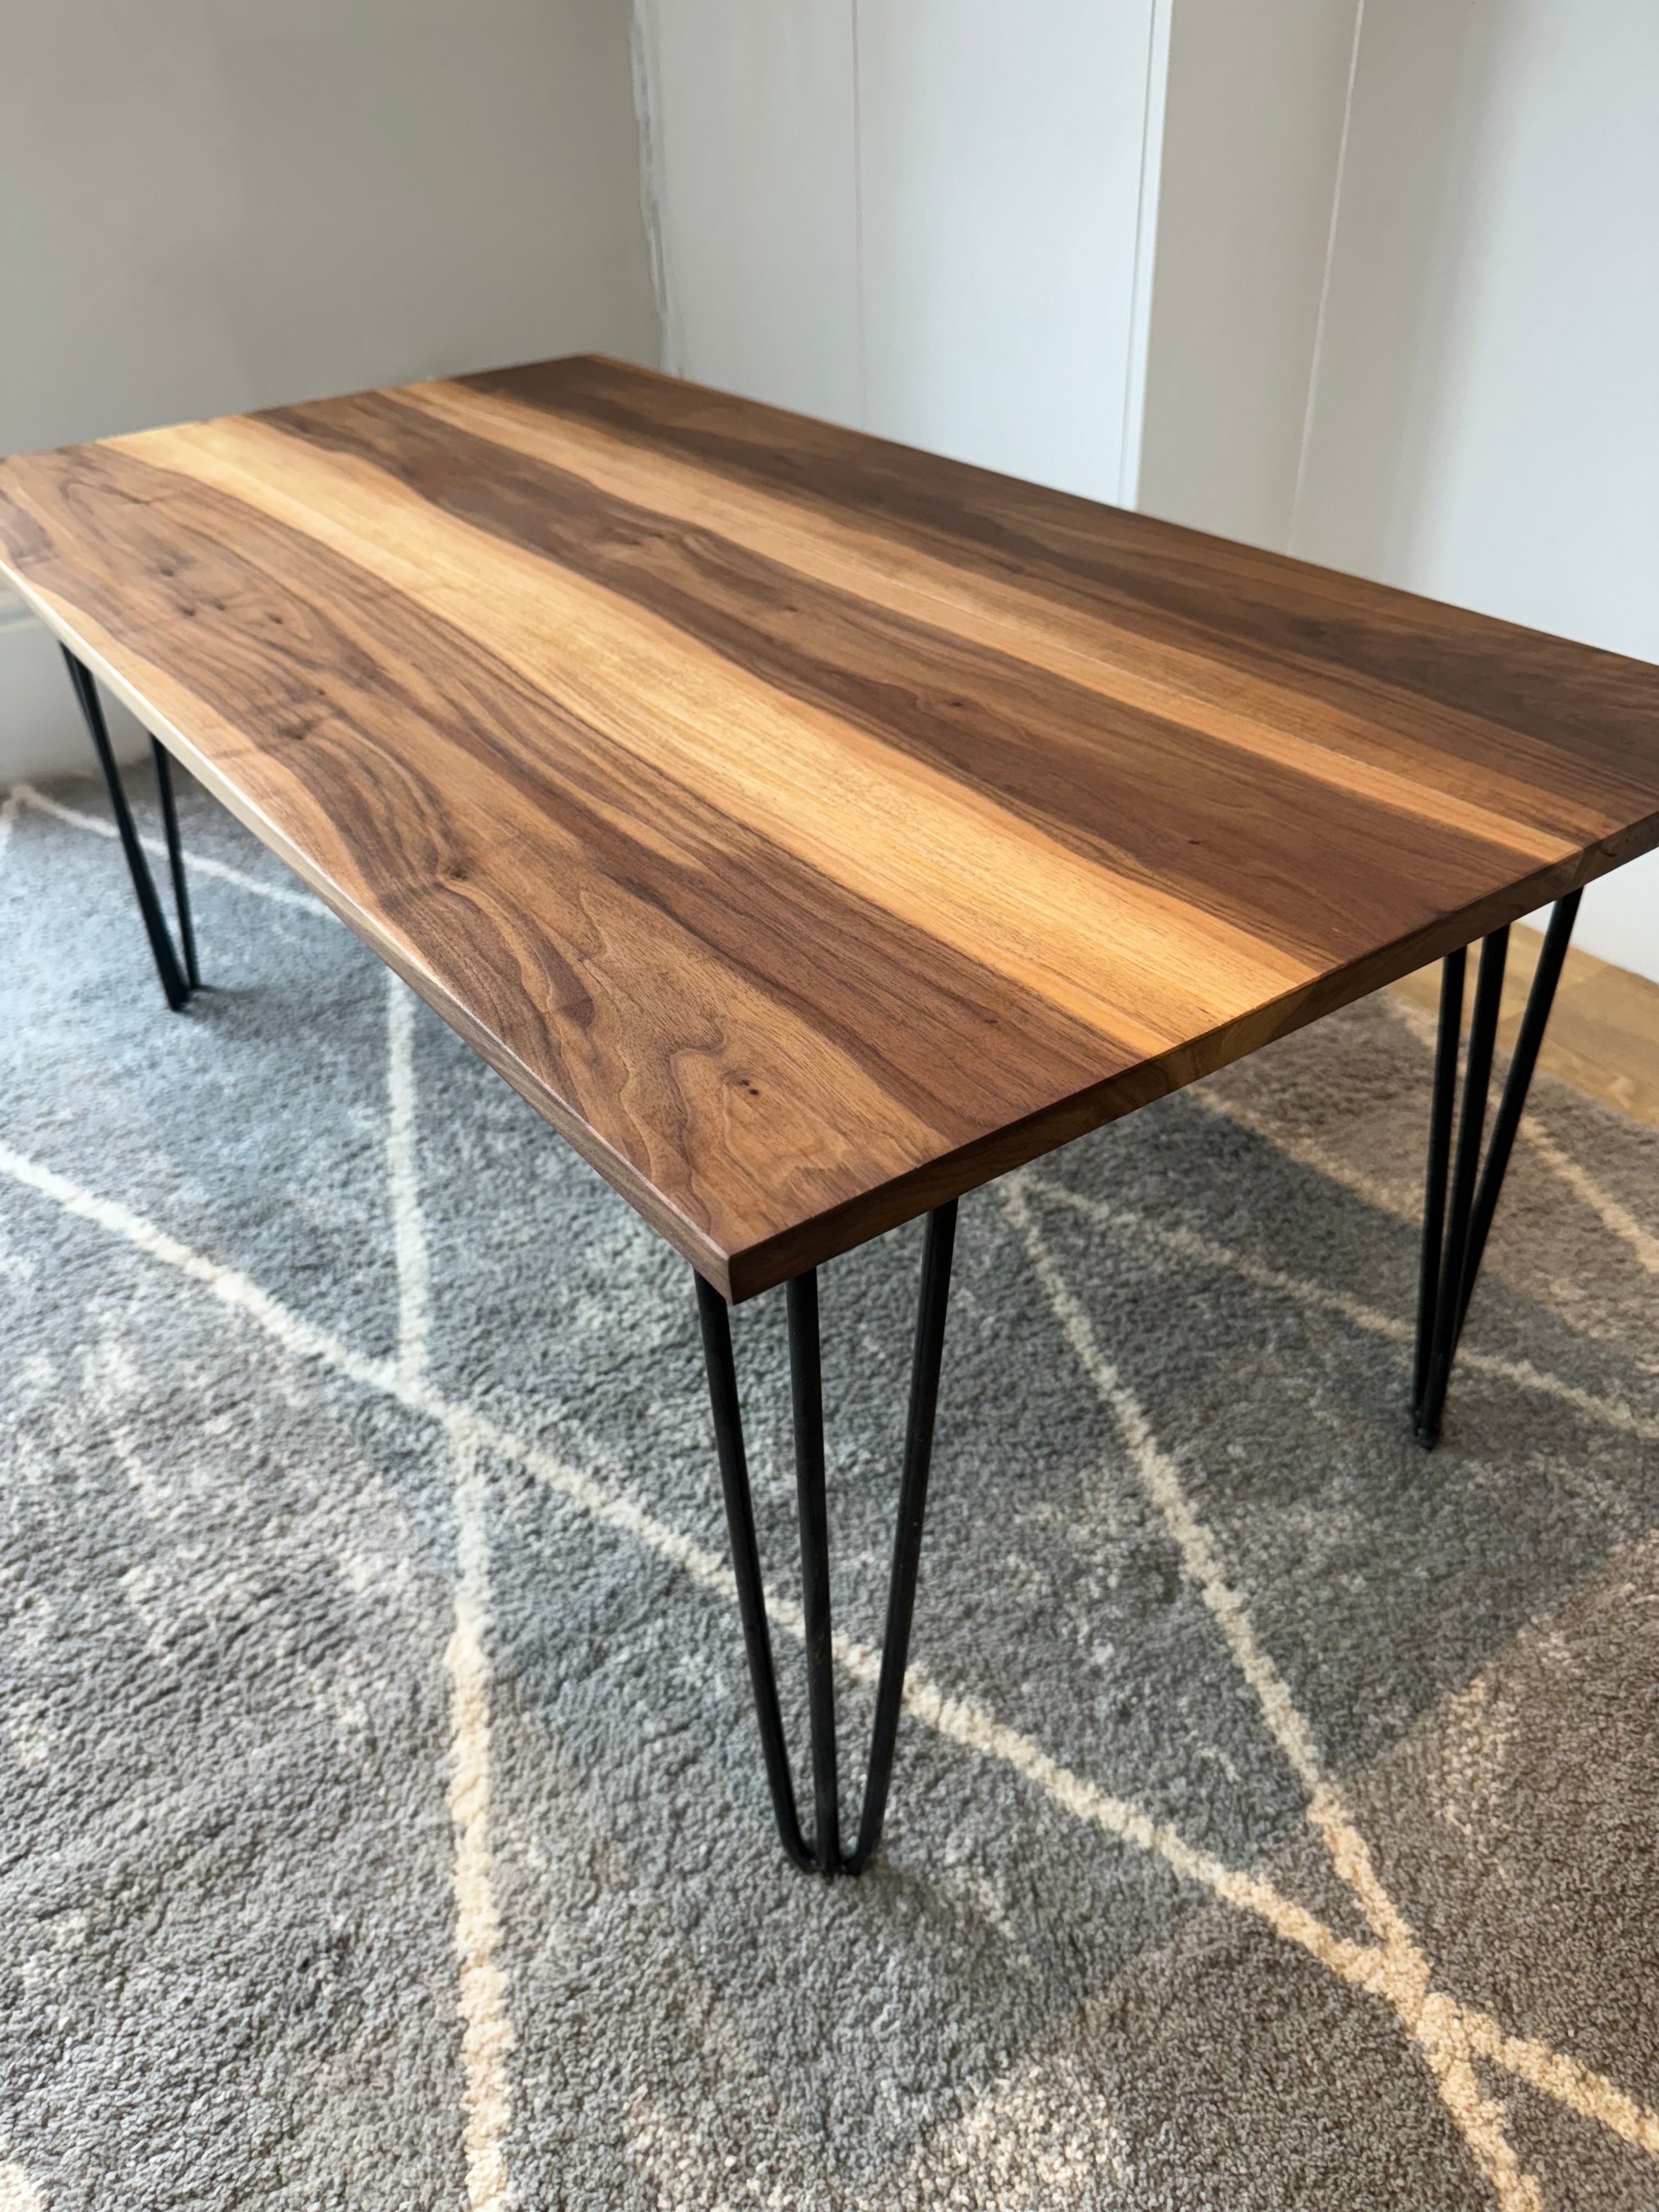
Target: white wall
1474, 362
1487, 422
1252, 139
216, 205
1000, 156
920, 217
749, 110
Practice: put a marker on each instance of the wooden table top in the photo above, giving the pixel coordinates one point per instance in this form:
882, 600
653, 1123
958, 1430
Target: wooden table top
809, 828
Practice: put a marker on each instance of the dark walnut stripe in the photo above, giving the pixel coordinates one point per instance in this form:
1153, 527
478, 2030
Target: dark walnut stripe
400, 718
1136, 791
1354, 646
809, 864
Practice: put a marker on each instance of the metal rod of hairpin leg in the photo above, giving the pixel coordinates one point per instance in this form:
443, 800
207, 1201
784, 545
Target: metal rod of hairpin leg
806, 1383
176, 861
1434, 1196
149, 906
1477, 1076
931, 1309
1507, 1123
716, 1324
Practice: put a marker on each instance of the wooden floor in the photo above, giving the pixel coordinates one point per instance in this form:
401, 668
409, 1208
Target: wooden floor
1603, 1034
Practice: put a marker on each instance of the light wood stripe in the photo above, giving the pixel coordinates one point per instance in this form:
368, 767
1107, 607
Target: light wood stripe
1257, 718
1096, 944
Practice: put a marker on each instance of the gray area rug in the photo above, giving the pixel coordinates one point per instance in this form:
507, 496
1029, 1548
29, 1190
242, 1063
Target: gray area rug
383, 1820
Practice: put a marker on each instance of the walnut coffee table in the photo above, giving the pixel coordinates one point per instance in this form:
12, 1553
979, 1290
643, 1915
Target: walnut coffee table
812, 829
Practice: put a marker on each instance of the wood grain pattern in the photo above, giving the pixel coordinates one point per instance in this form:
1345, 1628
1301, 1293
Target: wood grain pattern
809, 828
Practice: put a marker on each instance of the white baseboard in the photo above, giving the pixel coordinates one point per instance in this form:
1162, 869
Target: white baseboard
41, 732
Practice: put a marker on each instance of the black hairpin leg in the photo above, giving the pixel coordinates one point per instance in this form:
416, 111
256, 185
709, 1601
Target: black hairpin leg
1454, 1230
178, 980
163, 760
823, 1854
